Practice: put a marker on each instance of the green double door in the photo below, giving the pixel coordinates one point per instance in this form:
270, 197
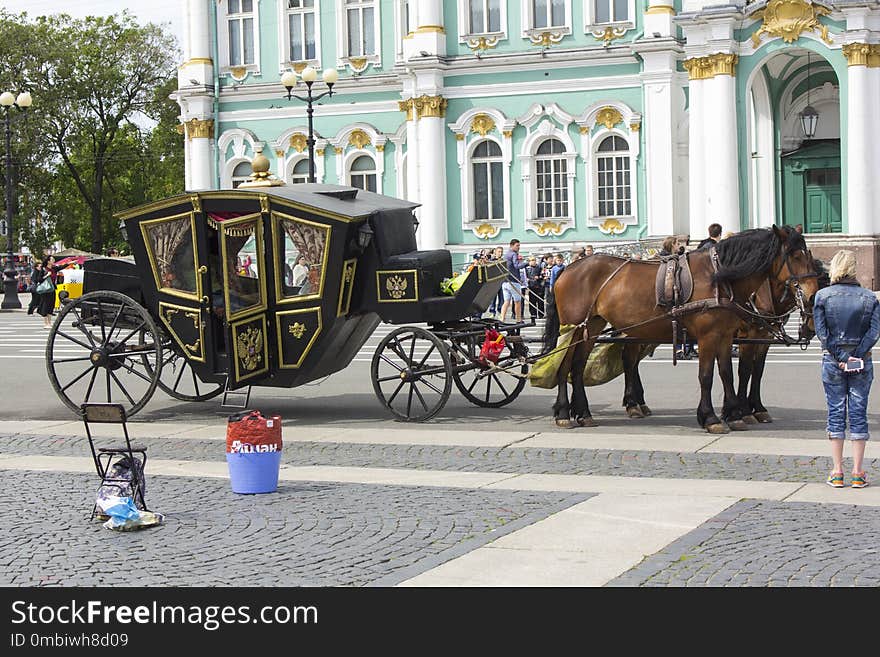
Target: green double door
822, 201
811, 187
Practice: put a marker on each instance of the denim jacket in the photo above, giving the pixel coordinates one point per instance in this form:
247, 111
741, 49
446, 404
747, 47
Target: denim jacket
847, 319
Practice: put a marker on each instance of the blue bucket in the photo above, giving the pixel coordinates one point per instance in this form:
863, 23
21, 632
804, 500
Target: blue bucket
252, 472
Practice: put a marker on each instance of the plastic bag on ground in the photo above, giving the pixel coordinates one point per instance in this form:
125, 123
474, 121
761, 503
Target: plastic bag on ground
125, 516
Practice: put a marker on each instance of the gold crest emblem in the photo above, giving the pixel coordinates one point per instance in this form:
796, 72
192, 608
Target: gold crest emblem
396, 286
297, 330
250, 348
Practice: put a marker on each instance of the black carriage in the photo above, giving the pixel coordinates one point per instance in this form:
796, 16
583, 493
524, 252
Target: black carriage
278, 286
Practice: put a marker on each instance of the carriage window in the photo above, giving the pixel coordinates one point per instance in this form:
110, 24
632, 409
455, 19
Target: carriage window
242, 271
301, 274
172, 254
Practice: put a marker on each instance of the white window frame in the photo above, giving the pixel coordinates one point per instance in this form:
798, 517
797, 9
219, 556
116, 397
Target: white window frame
347, 152
294, 161
244, 147
223, 40
597, 155
529, 31
231, 166
467, 140
553, 201
400, 27
464, 24
593, 134
350, 160
591, 24
487, 162
543, 122
342, 54
284, 34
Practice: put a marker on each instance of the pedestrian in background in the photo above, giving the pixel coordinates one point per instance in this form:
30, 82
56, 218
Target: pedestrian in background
36, 277
847, 319
714, 235
497, 255
535, 278
46, 304
511, 288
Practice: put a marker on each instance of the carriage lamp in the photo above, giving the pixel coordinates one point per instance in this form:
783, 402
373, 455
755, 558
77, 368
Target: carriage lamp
309, 75
10, 281
123, 231
364, 236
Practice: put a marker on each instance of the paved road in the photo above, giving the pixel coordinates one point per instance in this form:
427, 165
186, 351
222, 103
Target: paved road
476, 496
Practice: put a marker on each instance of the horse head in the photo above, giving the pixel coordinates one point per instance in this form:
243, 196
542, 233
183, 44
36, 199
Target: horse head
795, 274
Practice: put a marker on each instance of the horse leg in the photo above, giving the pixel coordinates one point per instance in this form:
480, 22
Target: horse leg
562, 407
705, 412
580, 407
640, 393
731, 412
761, 413
745, 371
630, 376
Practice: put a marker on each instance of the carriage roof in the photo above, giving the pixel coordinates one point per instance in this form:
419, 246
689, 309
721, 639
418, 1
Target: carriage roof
338, 201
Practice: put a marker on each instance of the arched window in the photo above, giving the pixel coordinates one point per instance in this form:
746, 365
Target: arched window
300, 173
551, 172
241, 173
363, 173
488, 183
613, 172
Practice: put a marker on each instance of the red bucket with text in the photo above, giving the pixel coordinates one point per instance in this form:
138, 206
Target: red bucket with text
253, 452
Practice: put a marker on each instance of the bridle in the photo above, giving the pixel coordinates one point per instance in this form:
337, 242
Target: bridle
793, 280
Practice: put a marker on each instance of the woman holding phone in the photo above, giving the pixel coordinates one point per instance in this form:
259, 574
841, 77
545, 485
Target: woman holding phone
847, 319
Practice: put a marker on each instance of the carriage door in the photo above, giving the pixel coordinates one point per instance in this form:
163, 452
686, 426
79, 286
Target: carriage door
176, 253
242, 254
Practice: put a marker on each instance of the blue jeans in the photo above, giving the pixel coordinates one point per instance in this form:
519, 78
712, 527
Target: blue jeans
847, 391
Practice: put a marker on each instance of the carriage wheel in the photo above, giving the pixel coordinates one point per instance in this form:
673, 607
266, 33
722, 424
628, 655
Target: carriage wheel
98, 350
411, 374
179, 380
482, 388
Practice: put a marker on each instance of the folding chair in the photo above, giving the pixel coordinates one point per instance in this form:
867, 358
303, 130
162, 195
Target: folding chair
106, 457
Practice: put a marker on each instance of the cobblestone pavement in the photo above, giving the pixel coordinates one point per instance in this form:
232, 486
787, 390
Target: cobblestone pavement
771, 544
742, 467
306, 534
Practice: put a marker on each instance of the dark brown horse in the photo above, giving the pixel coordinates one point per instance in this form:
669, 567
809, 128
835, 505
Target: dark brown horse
603, 290
775, 299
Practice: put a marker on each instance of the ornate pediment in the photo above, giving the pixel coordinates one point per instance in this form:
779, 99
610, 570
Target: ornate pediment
789, 19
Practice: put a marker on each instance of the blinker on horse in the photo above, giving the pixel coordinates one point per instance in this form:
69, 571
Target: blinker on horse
604, 290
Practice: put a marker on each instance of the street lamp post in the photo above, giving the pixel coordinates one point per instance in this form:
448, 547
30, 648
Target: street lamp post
309, 75
10, 282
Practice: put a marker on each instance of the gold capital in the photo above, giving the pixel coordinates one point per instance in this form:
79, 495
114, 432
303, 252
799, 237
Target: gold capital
431, 106
705, 68
406, 106
862, 54
200, 129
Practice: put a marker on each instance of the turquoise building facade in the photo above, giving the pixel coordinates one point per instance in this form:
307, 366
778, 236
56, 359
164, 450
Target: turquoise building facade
556, 122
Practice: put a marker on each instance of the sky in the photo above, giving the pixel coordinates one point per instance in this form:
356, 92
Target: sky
151, 11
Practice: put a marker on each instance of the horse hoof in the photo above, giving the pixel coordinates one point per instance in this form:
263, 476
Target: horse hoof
749, 419
587, 422
646, 411
738, 425
564, 424
718, 428
634, 412
763, 417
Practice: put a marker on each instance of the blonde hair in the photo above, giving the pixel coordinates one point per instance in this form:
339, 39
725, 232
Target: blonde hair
843, 265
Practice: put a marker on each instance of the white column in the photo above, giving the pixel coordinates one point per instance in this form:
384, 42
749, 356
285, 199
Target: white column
428, 31
200, 140
195, 80
432, 180
659, 125
861, 164
696, 164
721, 182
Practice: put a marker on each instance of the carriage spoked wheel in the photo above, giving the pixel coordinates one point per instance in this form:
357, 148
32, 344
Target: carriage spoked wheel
98, 350
483, 385
412, 373
178, 379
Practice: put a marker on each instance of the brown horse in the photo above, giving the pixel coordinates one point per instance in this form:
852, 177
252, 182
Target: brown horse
771, 298
602, 290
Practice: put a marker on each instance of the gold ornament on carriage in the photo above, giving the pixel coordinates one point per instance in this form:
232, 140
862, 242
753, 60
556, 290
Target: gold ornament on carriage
250, 348
396, 286
297, 330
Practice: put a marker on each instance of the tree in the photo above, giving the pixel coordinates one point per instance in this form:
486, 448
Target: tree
96, 77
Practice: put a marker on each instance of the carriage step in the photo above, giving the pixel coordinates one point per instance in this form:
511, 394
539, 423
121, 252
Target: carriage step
227, 394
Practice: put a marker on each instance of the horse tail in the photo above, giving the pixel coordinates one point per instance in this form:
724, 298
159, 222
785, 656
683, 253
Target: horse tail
551, 324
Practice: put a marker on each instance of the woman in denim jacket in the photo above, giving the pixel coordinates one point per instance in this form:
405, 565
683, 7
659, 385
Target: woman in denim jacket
847, 319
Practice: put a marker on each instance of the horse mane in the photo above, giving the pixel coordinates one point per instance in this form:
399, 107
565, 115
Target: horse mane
824, 278
753, 251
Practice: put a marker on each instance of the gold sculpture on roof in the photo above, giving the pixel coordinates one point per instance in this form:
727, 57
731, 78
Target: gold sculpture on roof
789, 19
